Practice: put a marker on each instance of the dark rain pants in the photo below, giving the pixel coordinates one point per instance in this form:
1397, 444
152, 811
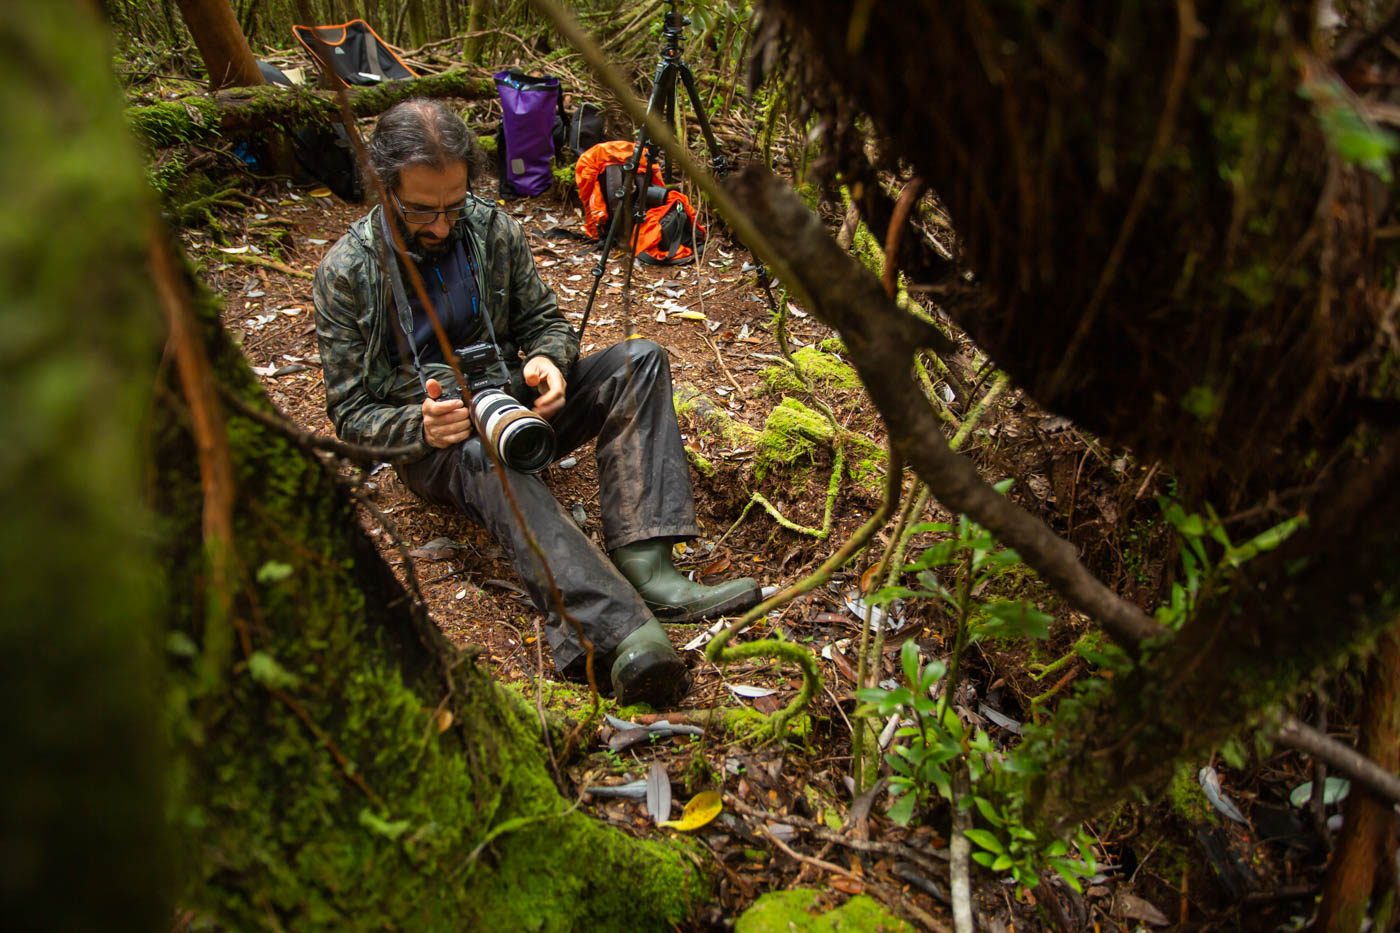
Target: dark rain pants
621, 396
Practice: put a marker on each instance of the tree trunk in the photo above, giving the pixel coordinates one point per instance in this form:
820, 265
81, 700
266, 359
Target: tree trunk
221, 43
1361, 877
1159, 239
248, 110
84, 786
336, 763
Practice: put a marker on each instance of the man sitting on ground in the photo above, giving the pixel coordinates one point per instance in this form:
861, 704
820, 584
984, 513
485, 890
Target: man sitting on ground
388, 385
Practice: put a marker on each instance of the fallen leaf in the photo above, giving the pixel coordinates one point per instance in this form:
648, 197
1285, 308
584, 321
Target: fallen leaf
232, 250
846, 885
691, 315
703, 808
321, 192
748, 692
1135, 908
1210, 783
658, 793
719, 566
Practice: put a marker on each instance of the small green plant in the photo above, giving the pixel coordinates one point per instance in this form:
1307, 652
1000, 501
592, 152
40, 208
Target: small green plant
935, 747
1200, 571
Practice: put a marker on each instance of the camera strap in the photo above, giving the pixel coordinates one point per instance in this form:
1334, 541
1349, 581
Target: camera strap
405, 310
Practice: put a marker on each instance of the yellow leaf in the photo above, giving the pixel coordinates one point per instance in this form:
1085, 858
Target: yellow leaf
691, 315
321, 192
635, 337
442, 720
703, 808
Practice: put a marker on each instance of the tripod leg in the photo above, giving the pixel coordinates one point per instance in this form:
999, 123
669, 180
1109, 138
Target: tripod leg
717, 159
615, 221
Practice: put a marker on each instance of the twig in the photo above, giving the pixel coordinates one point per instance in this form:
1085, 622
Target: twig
715, 651
200, 389
907, 199
723, 368
248, 259
959, 850
358, 453
352, 774
1303, 737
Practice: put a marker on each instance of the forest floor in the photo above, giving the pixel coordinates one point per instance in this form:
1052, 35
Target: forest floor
784, 802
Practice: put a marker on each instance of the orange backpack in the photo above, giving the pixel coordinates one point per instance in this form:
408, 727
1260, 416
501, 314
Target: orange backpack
666, 232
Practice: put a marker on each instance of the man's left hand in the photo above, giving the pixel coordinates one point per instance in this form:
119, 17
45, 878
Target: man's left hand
541, 373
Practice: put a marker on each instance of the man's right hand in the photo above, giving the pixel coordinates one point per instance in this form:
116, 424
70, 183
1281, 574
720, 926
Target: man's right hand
445, 422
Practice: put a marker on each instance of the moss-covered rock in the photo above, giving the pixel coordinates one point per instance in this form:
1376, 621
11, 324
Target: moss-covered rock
817, 368
793, 912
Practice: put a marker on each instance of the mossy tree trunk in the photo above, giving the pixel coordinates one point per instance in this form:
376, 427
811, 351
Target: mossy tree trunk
82, 845
1159, 237
333, 761
257, 110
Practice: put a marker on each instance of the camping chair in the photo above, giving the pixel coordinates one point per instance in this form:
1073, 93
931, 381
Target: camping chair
357, 54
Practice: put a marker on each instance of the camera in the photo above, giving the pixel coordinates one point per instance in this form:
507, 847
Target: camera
524, 440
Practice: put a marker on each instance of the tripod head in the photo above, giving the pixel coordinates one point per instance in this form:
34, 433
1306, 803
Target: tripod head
673, 30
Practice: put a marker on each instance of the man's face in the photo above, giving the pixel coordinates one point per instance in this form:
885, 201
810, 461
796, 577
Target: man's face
423, 189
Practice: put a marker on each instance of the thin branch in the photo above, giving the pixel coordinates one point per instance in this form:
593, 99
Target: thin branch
881, 340
357, 453
1299, 735
211, 444
248, 259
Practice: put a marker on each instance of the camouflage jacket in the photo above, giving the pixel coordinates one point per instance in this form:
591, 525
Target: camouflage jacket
371, 401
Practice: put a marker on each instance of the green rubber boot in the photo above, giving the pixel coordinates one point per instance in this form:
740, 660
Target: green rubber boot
668, 593
646, 669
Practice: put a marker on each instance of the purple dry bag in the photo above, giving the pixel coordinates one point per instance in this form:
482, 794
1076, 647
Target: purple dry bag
525, 147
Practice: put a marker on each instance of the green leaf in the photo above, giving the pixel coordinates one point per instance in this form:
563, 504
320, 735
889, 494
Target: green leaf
925, 527
985, 839
1014, 619
889, 594
264, 668
273, 571
1334, 790
382, 827
902, 810
909, 660
933, 672
1004, 486
989, 812
1002, 863
1266, 540
1062, 869
181, 645
985, 859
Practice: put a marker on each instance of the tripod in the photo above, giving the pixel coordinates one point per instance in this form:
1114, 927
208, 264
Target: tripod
662, 103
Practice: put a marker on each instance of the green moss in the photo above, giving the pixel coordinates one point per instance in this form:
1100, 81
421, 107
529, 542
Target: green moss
821, 370
1187, 799
793, 912
333, 799
564, 178
793, 432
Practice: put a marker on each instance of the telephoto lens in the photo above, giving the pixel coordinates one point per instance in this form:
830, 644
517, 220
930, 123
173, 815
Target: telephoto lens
524, 440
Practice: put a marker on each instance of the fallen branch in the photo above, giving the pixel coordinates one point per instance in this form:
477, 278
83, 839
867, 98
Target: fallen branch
1343, 758
248, 259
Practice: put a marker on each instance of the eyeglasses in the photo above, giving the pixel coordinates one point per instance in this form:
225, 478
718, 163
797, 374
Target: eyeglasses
426, 217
